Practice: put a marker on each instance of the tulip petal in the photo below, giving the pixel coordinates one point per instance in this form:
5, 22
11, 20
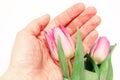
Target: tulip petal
100, 50
66, 41
68, 36
52, 45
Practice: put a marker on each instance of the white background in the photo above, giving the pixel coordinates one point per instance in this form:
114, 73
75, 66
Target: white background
16, 14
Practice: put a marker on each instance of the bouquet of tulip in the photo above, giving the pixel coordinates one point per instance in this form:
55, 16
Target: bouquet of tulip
95, 65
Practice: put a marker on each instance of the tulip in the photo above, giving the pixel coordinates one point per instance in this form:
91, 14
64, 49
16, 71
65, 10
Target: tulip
66, 41
100, 50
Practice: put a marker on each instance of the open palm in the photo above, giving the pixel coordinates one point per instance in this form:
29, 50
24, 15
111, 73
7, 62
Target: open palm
31, 59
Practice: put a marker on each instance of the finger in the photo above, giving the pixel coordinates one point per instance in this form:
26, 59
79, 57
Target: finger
68, 15
81, 19
37, 25
89, 41
88, 27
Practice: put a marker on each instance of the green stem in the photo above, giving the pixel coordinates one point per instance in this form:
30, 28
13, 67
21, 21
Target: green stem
70, 67
67, 79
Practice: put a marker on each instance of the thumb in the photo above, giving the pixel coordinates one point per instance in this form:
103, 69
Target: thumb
37, 25
26, 46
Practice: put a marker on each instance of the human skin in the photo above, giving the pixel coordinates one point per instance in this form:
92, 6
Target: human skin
31, 60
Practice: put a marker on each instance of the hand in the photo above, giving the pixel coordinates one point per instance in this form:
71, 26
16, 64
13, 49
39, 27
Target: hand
30, 55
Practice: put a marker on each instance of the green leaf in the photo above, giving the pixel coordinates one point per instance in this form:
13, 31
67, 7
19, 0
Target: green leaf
63, 61
78, 66
96, 68
112, 48
90, 75
106, 70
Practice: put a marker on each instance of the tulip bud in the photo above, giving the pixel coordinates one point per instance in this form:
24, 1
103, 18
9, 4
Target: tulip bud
66, 41
100, 50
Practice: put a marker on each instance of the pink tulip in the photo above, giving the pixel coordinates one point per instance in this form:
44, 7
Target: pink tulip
66, 41
100, 50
